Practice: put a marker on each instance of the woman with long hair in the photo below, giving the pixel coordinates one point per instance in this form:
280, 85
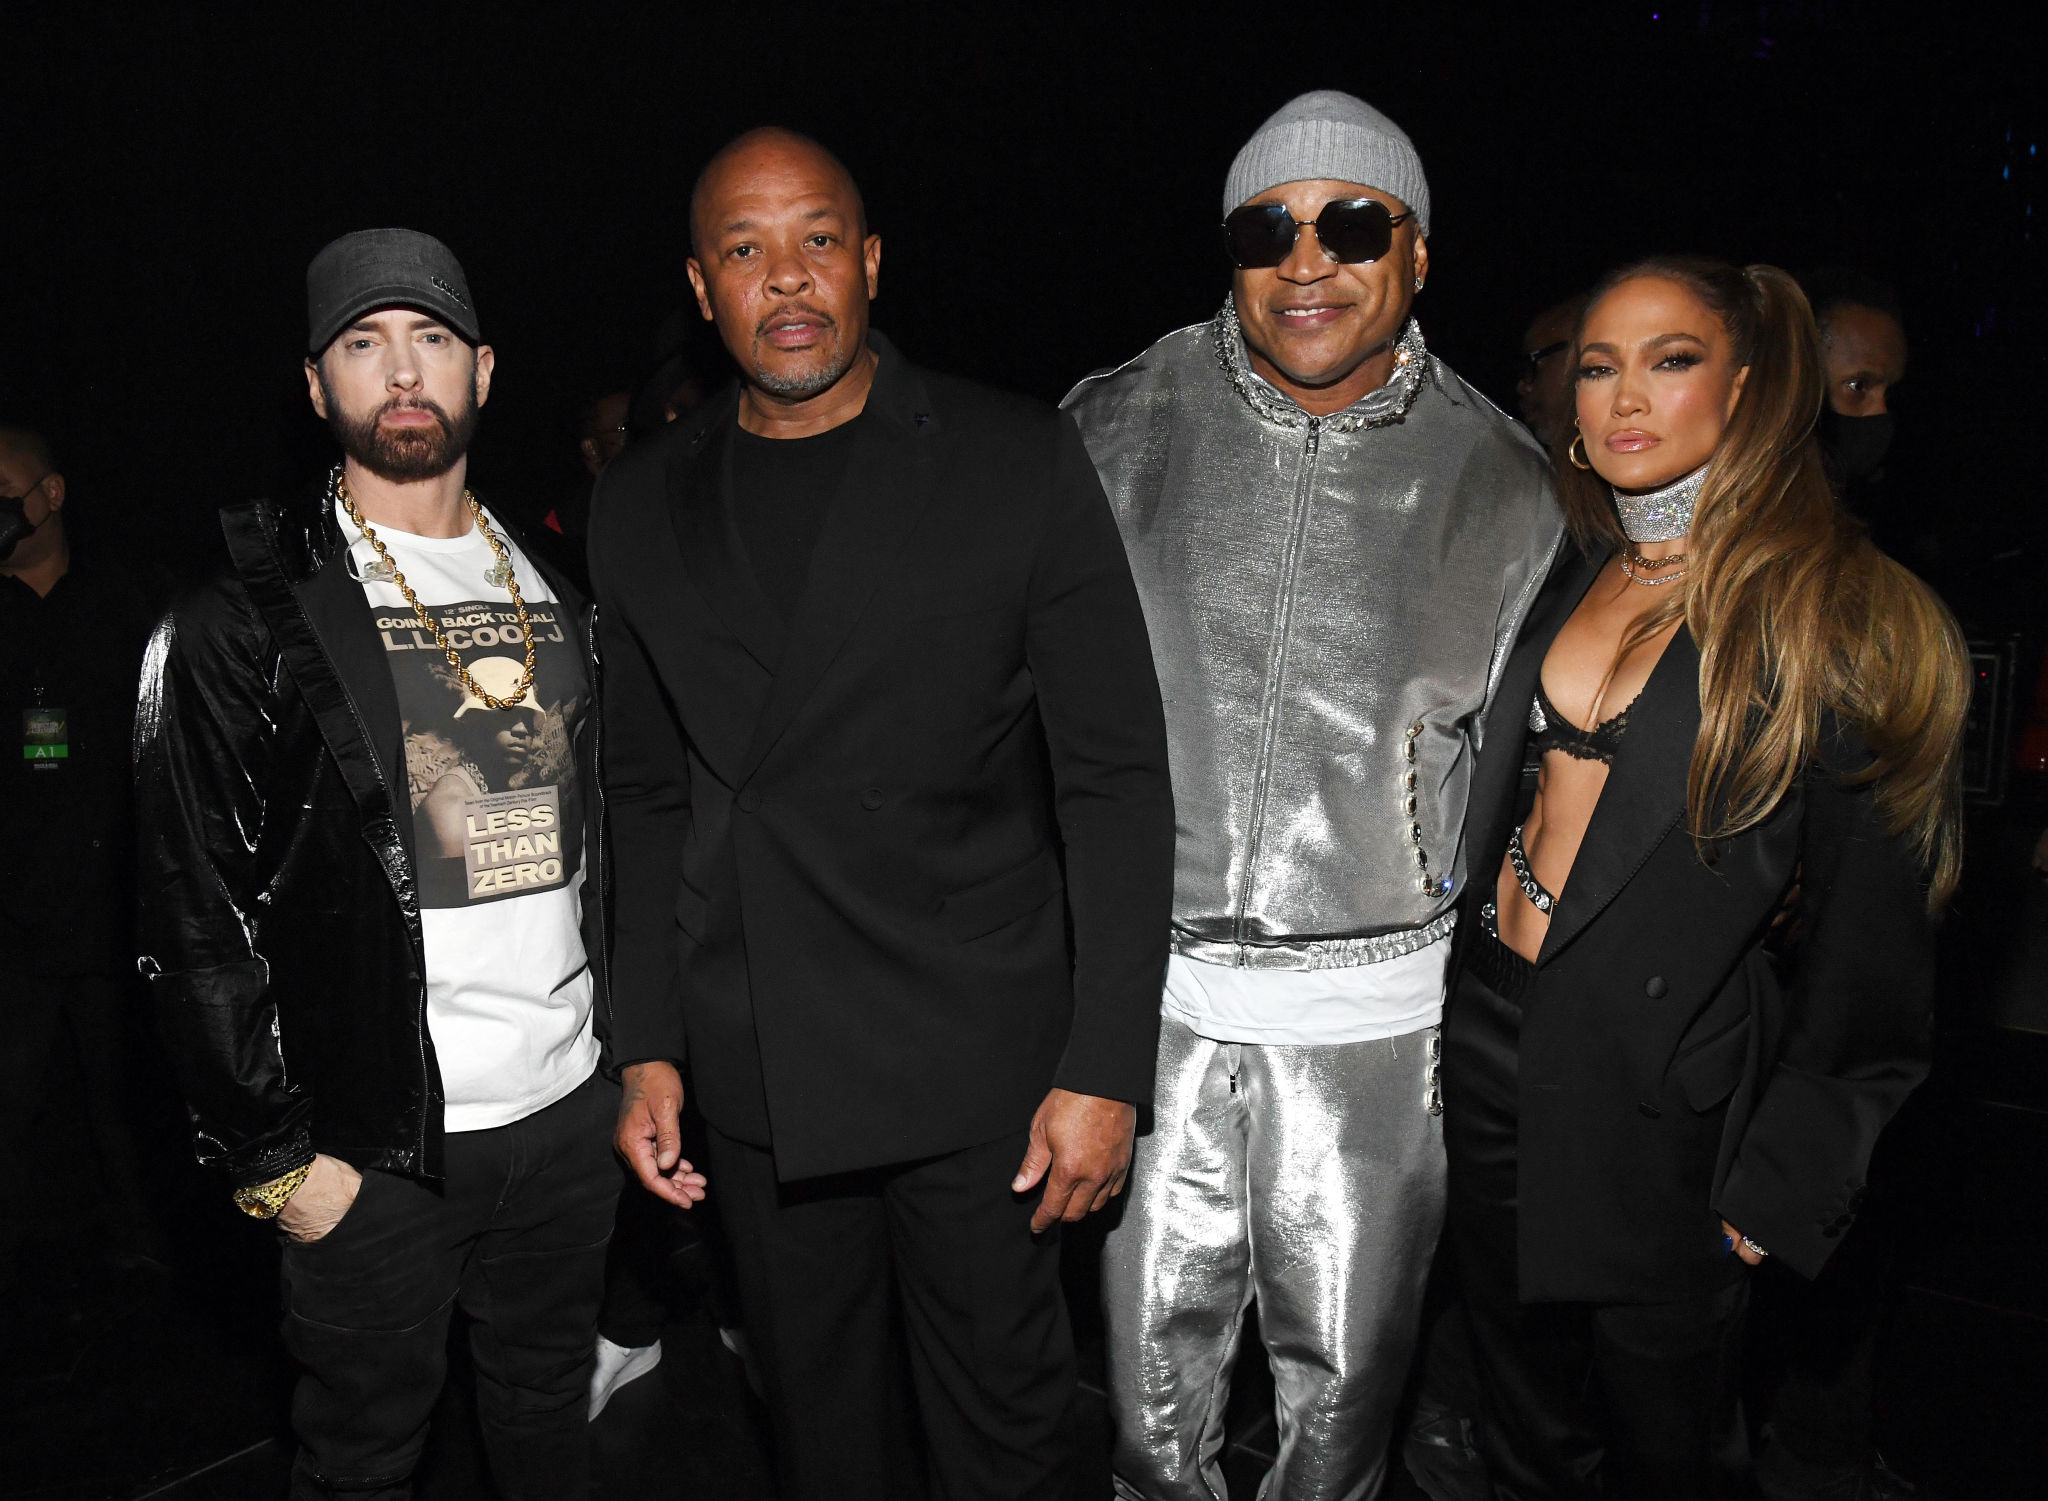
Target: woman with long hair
1696, 969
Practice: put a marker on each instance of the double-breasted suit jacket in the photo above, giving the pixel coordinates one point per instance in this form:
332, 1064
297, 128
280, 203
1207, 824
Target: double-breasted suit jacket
890, 869
1693, 1049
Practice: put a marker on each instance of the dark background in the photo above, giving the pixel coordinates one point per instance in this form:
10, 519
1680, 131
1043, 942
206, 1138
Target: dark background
1045, 179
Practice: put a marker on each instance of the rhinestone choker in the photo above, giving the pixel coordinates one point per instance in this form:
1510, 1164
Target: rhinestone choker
1660, 515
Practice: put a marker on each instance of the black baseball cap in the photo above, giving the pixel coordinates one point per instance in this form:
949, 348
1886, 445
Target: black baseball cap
375, 268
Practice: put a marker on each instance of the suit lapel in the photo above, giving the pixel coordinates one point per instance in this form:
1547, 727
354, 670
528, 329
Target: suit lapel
701, 510
323, 629
1644, 796
1499, 773
887, 485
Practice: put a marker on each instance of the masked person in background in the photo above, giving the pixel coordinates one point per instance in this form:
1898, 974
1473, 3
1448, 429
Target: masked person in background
1335, 539
1863, 356
71, 636
1820, 1430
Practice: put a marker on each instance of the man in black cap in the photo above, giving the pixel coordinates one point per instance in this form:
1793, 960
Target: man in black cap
367, 804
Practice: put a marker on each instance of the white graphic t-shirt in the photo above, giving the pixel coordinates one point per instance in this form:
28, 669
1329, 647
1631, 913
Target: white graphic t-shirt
497, 821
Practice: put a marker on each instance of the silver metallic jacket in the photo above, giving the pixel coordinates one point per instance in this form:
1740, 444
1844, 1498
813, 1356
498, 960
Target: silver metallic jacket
1331, 602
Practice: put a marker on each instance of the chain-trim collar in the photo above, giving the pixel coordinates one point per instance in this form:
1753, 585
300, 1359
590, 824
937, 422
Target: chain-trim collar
1381, 408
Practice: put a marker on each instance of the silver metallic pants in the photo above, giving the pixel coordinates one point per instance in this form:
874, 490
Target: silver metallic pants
1311, 1179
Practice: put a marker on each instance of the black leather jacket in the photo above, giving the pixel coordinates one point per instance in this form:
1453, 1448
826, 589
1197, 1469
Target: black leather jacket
279, 917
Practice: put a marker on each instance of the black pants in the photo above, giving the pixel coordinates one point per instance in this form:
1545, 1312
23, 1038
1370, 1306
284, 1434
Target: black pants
638, 1301
991, 1352
1623, 1401
1626, 1402
517, 1236
665, 1262
40, 1015
1823, 1338
1445, 1377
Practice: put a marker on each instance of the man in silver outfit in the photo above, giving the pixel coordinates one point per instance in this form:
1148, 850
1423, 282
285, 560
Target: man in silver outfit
1335, 539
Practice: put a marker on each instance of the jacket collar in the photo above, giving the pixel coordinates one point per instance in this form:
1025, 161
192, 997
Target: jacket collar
1496, 780
1389, 404
1644, 797
886, 487
303, 534
707, 533
289, 558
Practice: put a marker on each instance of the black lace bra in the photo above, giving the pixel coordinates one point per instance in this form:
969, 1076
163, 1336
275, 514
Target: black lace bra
1550, 730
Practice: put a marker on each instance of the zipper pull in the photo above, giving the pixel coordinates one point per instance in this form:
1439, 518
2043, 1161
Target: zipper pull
1315, 434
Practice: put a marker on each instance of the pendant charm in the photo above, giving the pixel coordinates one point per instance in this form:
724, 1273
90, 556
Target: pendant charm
499, 574
379, 571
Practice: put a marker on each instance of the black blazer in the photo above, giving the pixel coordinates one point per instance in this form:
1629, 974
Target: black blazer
898, 868
1673, 1071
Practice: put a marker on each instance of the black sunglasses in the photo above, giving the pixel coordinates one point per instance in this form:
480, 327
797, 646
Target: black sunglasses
1351, 230
1533, 359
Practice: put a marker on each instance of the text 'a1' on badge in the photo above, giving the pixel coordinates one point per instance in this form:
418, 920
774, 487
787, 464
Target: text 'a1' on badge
45, 737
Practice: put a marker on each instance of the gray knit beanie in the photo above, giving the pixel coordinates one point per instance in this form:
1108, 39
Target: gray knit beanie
1330, 134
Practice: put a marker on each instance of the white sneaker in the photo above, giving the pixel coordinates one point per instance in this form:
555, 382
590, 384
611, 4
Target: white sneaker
735, 1340
617, 1365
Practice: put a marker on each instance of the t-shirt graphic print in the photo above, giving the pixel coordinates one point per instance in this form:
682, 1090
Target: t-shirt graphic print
495, 805
497, 812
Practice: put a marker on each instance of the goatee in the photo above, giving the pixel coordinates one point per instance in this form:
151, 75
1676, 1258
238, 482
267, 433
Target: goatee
404, 455
796, 387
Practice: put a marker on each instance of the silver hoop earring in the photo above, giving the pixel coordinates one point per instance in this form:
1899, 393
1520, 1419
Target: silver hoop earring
1418, 284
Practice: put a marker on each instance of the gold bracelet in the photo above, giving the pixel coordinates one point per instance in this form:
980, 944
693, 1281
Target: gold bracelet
264, 1200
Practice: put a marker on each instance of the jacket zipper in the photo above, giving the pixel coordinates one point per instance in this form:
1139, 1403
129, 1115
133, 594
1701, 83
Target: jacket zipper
600, 864
1277, 679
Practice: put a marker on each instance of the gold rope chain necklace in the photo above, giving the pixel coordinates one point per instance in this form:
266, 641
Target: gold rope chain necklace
429, 623
1632, 560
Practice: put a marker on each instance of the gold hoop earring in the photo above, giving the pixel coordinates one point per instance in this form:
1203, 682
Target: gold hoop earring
1576, 450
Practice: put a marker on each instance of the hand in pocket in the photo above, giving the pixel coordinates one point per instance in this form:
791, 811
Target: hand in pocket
312, 1213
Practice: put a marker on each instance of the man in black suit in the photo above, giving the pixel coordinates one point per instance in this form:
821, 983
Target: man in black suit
889, 796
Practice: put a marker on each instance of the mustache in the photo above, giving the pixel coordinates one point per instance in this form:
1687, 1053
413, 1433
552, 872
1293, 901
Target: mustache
795, 309
412, 404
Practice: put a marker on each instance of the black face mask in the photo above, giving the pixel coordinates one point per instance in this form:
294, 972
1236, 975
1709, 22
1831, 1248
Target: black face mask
1856, 444
14, 523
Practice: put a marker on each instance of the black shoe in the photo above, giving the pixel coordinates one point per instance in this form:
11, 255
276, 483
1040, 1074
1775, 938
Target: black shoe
1783, 1476
1442, 1456
1881, 1482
